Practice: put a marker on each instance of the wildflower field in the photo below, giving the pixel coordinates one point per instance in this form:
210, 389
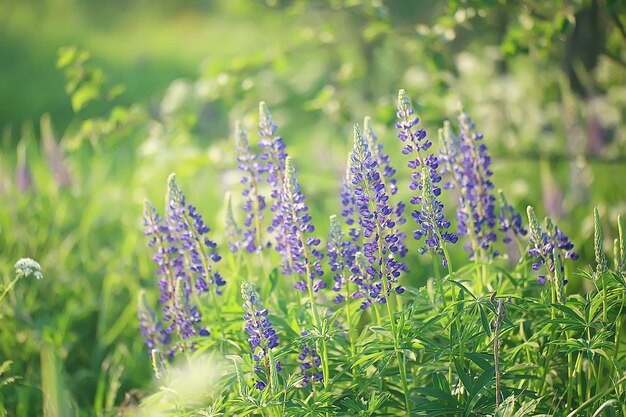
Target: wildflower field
330, 208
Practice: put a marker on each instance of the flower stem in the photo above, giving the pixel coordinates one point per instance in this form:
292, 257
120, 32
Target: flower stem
350, 327
8, 287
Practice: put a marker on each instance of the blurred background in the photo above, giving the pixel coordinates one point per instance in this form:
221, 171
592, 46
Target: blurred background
100, 101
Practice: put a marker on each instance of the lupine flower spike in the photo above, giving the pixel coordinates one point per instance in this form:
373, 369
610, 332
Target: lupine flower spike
467, 159
273, 154
185, 258
150, 328
261, 336
254, 204
362, 279
549, 248
417, 146
295, 240
188, 228
348, 204
388, 179
429, 216
598, 242
510, 220
375, 217
170, 268
341, 254
431, 223
381, 158
310, 364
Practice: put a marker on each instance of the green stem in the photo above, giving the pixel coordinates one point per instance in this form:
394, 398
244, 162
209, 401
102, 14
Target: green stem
597, 396
570, 379
399, 356
350, 328
579, 375
453, 329
439, 284
604, 309
8, 287
379, 321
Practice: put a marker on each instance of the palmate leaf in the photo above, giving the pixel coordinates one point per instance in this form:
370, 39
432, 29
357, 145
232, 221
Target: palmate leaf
477, 389
318, 406
444, 397
507, 408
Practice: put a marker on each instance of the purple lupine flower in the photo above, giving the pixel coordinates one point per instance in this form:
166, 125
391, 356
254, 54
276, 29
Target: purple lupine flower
150, 328
181, 319
431, 223
232, 230
381, 158
310, 364
341, 252
294, 238
199, 252
361, 279
348, 204
476, 213
261, 335
509, 219
254, 203
375, 217
549, 248
273, 155
416, 144
388, 179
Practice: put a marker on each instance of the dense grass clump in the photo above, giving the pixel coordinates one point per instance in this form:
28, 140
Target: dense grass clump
337, 326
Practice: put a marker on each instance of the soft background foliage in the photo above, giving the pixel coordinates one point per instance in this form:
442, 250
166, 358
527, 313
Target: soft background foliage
152, 88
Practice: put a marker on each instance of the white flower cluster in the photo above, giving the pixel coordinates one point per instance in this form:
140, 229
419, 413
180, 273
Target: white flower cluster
27, 267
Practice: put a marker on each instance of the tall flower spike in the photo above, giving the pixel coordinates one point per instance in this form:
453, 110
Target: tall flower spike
348, 204
549, 248
340, 256
150, 329
382, 159
254, 203
185, 257
476, 211
510, 220
425, 177
375, 217
388, 179
431, 223
261, 335
310, 364
362, 279
417, 145
274, 157
170, 268
598, 242
199, 252
294, 240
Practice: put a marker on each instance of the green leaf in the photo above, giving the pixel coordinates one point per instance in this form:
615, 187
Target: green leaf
84, 95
